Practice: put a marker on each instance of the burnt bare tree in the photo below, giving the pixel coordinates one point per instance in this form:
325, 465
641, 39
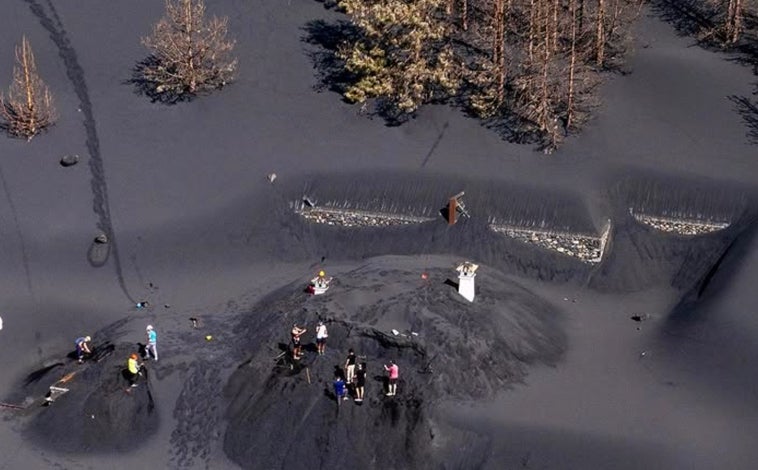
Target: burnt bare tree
28, 108
189, 52
528, 68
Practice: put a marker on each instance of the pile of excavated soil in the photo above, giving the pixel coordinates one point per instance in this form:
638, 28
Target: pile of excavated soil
283, 412
99, 413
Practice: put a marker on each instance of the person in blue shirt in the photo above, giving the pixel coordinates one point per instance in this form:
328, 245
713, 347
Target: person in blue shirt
82, 347
339, 389
152, 341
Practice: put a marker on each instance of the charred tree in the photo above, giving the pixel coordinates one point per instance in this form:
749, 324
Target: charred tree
28, 108
189, 53
600, 33
733, 21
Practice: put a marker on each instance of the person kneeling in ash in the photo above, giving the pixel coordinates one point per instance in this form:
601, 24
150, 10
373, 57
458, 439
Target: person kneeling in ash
82, 347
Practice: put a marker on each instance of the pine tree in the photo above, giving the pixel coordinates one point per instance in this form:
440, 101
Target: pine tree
28, 109
190, 53
401, 56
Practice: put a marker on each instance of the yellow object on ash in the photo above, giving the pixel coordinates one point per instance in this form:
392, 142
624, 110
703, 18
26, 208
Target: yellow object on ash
208, 337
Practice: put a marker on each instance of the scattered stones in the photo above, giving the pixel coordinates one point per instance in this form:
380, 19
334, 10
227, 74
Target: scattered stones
356, 218
586, 248
101, 239
689, 227
69, 160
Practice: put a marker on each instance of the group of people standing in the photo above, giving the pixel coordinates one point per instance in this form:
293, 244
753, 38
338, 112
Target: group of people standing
348, 379
354, 379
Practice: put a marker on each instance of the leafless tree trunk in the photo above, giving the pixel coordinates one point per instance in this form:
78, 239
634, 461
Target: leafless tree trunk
499, 50
581, 15
28, 108
733, 26
190, 53
572, 67
532, 27
464, 15
555, 25
600, 34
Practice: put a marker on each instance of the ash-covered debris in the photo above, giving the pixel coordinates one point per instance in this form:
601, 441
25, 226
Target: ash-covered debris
356, 218
586, 248
690, 227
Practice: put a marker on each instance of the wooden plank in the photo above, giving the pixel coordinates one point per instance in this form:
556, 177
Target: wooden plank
452, 210
12, 406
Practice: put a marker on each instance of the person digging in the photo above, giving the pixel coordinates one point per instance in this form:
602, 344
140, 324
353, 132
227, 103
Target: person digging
82, 348
134, 369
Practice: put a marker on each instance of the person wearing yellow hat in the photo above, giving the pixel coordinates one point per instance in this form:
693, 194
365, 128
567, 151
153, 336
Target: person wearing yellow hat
82, 347
133, 367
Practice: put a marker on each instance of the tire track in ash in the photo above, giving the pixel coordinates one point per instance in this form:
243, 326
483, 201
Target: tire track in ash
22, 243
50, 20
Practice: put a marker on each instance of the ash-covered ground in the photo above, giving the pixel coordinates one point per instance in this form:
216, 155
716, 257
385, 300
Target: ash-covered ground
460, 350
194, 224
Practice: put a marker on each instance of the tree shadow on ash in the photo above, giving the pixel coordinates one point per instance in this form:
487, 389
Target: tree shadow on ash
703, 22
150, 88
331, 75
327, 37
749, 112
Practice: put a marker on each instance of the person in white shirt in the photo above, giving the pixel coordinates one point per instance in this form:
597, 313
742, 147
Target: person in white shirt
321, 335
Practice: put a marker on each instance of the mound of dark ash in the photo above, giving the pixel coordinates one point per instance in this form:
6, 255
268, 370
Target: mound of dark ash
284, 413
97, 414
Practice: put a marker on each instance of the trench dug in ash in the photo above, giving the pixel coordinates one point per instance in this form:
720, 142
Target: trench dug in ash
284, 412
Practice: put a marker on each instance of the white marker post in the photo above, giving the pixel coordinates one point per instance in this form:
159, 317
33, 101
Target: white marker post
466, 275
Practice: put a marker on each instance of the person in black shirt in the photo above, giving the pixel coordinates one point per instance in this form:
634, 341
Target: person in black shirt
350, 367
360, 382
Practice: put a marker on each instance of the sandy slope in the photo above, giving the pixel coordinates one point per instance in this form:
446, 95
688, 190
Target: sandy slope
183, 189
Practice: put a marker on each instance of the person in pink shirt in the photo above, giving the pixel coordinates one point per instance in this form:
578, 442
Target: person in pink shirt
394, 373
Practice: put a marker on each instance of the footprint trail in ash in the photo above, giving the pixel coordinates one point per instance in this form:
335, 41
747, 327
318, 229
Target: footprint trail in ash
48, 17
